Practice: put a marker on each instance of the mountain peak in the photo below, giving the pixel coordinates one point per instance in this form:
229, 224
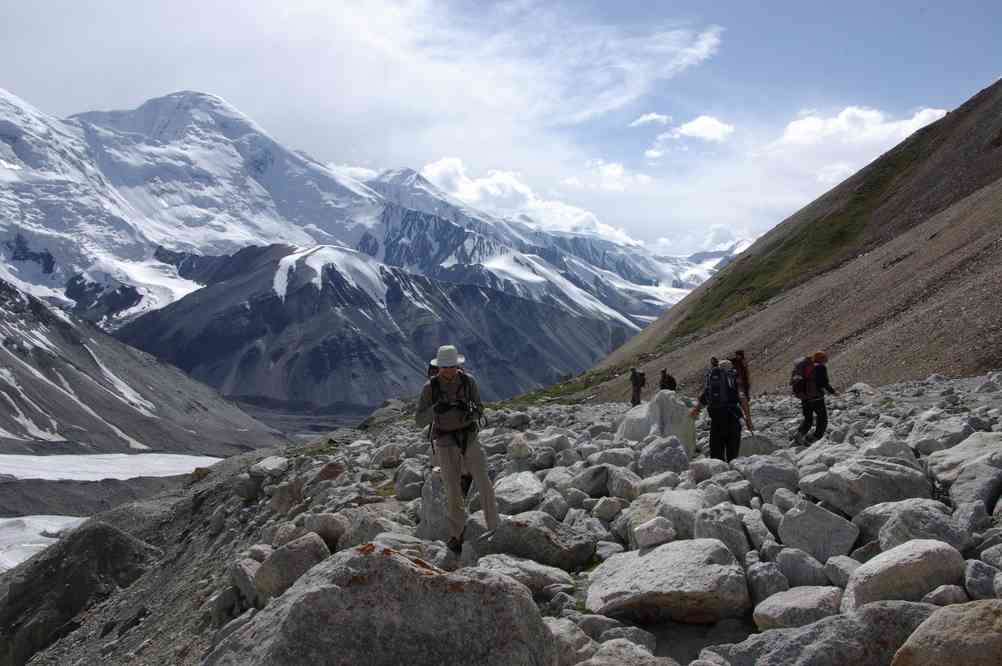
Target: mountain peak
170, 116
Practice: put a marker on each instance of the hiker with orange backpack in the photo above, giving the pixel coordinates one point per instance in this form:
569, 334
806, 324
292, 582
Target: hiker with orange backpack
809, 381
450, 403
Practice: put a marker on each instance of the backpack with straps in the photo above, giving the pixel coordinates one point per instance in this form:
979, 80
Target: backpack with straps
802, 380
721, 387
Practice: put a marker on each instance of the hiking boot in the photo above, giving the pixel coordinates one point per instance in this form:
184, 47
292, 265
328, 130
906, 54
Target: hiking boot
465, 482
455, 545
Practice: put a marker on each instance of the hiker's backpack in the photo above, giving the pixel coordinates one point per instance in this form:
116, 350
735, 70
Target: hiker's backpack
721, 387
802, 380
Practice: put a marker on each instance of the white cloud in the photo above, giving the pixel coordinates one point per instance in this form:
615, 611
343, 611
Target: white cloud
651, 119
573, 181
855, 125
505, 194
831, 174
356, 172
707, 128
653, 154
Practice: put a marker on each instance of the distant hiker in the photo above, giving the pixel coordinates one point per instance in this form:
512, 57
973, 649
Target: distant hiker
637, 381
667, 382
741, 366
722, 396
450, 402
809, 381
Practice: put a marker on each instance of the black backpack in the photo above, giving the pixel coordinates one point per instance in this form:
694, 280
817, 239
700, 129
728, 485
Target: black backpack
721, 387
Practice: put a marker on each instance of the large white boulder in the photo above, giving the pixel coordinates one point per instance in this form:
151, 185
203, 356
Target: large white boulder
665, 415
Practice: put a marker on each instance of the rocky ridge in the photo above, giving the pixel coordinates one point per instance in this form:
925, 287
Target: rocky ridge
621, 543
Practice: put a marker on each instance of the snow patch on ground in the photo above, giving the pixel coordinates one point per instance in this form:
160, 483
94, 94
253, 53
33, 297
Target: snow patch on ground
21, 538
94, 467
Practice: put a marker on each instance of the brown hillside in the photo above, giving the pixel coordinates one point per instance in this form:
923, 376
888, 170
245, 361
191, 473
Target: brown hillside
896, 272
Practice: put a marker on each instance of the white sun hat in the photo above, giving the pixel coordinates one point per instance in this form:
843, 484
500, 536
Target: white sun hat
448, 357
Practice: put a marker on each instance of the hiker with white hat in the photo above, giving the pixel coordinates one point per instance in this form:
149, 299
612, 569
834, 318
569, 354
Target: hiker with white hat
450, 402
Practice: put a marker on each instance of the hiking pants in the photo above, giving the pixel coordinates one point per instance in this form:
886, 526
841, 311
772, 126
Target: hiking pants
811, 409
725, 433
451, 459
635, 398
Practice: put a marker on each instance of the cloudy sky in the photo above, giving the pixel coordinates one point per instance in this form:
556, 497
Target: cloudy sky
663, 122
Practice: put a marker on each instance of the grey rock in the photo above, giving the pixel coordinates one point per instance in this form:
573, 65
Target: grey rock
767, 473
797, 607
573, 645
785, 499
764, 580
961, 634
972, 517
329, 526
617, 457
871, 519
821, 533
535, 576
554, 504
839, 569
659, 482
800, 568
272, 467
443, 612
756, 529
596, 625
606, 549
689, 581
721, 522
242, 574
622, 652
664, 454
868, 637
772, 517
681, 507
944, 595
409, 480
946, 465
654, 532
930, 436
519, 492
703, 469
856, 484
537, 536
907, 572
979, 579
980, 480
740, 492
636, 635
608, 508
287, 564
921, 522
866, 552
993, 556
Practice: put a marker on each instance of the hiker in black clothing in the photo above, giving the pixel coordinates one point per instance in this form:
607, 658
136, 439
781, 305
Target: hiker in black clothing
722, 395
667, 382
637, 381
815, 382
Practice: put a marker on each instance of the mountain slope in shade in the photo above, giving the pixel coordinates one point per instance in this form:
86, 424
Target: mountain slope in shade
67, 387
328, 326
895, 272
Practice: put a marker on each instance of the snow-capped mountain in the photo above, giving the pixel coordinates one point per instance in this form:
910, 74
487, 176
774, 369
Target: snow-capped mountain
120, 213
67, 387
85, 202
327, 326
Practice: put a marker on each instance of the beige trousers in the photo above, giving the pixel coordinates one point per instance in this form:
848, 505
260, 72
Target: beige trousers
451, 460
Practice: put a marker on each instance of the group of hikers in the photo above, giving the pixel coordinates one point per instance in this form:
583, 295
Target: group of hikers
450, 405
726, 394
